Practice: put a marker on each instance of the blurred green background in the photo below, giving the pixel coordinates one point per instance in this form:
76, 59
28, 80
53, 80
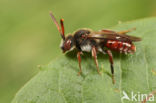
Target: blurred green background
28, 37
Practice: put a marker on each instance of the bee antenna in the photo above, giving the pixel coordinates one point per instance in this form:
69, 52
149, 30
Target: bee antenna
62, 25
57, 25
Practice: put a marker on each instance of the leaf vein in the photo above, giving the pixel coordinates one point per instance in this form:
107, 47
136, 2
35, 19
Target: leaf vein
147, 79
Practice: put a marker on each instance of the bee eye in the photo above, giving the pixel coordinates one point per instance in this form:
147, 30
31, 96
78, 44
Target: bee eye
67, 44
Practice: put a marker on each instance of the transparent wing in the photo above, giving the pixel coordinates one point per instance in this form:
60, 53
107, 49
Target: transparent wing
113, 36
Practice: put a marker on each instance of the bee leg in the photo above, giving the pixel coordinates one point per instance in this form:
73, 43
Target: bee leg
79, 60
94, 55
126, 31
111, 62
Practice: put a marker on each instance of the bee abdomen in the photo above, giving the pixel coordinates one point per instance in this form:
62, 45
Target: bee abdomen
122, 47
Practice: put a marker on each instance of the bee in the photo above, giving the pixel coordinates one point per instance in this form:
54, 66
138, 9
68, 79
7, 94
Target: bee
104, 41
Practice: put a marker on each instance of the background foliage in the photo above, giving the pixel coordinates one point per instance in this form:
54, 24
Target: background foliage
29, 38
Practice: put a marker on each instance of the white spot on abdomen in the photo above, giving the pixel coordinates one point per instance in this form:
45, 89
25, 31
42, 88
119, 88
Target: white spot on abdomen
117, 37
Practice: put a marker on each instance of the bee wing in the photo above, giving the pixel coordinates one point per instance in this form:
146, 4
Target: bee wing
132, 38
113, 36
106, 31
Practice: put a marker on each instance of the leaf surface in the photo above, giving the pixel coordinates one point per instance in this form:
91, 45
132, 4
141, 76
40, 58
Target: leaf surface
58, 82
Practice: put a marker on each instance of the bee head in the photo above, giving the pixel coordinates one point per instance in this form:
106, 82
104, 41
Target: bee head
67, 44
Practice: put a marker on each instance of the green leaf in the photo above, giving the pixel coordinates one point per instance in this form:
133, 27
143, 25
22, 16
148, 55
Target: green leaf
58, 82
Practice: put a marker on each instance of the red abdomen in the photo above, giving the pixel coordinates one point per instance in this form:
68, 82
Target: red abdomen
122, 47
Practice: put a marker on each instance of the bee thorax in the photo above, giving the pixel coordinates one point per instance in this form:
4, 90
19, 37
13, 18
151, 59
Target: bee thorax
86, 48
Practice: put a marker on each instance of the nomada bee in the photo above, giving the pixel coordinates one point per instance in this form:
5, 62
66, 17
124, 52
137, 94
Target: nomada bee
104, 41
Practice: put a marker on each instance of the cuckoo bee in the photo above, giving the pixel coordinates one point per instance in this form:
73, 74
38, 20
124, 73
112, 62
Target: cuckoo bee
104, 41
